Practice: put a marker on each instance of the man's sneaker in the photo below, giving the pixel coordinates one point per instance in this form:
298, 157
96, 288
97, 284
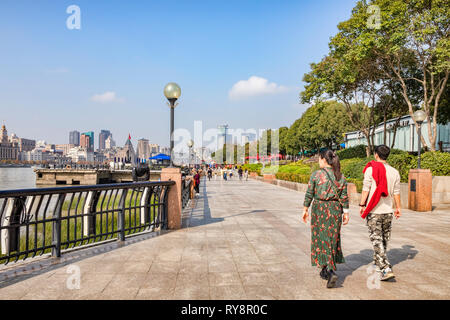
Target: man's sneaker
324, 274
332, 279
387, 274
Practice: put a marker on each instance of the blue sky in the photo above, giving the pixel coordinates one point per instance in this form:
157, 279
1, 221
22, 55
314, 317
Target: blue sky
110, 74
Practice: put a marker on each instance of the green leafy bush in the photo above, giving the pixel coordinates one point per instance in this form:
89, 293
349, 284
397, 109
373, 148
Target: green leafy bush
254, 167
358, 151
403, 163
294, 177
437, 162
305, 170
353, 168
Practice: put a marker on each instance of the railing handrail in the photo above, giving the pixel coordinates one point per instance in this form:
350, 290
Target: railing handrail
95, 187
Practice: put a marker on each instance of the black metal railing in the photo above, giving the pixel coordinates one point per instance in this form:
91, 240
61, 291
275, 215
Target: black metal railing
185, 191
38, 221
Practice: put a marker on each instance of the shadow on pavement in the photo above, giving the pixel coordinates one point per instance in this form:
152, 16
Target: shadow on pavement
197, 217
30, 269
365, 257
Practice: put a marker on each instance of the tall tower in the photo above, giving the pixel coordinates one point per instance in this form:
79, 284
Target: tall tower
102, 136
4, 135
143, 149
74, 138
222, 136
90, 134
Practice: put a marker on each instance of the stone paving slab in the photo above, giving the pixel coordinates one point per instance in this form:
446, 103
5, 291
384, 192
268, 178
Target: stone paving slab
245, 240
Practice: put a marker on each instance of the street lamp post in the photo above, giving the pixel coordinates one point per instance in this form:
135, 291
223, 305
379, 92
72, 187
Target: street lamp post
172, 92
419, 116
190, 144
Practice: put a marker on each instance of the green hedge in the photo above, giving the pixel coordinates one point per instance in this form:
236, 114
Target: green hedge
352, 169
294, 177
358, 151
254, 167
437, 162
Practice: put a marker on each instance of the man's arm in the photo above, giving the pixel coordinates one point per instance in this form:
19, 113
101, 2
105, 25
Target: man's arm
397, 211
367, 183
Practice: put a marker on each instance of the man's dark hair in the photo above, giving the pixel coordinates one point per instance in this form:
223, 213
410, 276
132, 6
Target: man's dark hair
382, 151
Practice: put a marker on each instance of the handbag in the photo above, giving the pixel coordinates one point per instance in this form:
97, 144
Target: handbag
335, 190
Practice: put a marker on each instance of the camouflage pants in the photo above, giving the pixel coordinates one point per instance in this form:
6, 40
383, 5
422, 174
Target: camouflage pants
380, 226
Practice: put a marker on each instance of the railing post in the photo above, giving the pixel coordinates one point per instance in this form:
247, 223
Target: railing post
173, 197
11, 235
164, 216
90, 207
121, 217
145, 204
56, 227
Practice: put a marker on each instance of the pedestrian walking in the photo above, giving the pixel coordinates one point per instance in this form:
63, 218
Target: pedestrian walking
381, 189
327, 190
246, 174
209, 174
240, 173
197, 182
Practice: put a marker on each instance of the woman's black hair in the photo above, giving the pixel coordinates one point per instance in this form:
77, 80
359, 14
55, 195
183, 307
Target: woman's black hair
333, 160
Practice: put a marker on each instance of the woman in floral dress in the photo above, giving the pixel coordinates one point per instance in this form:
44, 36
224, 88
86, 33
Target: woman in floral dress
328, 188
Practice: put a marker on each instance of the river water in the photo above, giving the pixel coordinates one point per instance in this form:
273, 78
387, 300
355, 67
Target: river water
17, 178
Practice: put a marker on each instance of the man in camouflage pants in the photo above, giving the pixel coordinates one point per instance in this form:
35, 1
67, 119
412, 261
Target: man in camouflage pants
379, 220
380, 226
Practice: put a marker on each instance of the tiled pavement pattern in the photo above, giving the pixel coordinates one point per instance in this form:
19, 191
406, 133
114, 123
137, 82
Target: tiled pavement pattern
244, 240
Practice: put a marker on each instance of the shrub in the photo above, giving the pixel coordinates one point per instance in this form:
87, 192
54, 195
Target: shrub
437, 162
304, 169
358, 151
353, 168
398, 151
254, 167
294, 177
403, 163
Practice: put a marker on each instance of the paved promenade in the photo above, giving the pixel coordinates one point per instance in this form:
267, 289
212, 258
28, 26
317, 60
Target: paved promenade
244, 240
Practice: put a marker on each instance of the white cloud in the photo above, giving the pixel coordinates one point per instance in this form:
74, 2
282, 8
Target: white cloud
109, 96
254, 86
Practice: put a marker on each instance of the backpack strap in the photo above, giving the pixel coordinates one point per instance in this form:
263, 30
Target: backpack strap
335, 189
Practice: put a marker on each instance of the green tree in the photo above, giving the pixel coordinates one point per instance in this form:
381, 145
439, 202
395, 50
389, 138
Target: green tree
411, 46
321, 125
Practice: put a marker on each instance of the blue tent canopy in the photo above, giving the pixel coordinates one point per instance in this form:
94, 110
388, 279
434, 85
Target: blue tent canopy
160, 156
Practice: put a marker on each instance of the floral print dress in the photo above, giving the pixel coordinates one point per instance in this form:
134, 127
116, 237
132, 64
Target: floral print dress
326, 217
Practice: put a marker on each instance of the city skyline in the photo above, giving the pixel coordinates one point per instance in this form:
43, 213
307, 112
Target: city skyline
111, 73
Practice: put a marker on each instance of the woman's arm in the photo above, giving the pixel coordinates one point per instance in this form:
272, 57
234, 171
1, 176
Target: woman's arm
308, 197
344, 197
345, 203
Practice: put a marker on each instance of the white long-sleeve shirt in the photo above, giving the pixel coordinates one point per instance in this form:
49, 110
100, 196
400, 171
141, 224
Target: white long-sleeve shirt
385, 205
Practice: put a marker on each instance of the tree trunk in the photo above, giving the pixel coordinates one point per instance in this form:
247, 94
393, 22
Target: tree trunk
397, 122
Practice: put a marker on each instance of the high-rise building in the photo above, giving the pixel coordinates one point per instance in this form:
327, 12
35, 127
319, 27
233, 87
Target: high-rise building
74, 138
102, 136
143, 149
222, 136
90, 145
85, 142
109, 143
154, 148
